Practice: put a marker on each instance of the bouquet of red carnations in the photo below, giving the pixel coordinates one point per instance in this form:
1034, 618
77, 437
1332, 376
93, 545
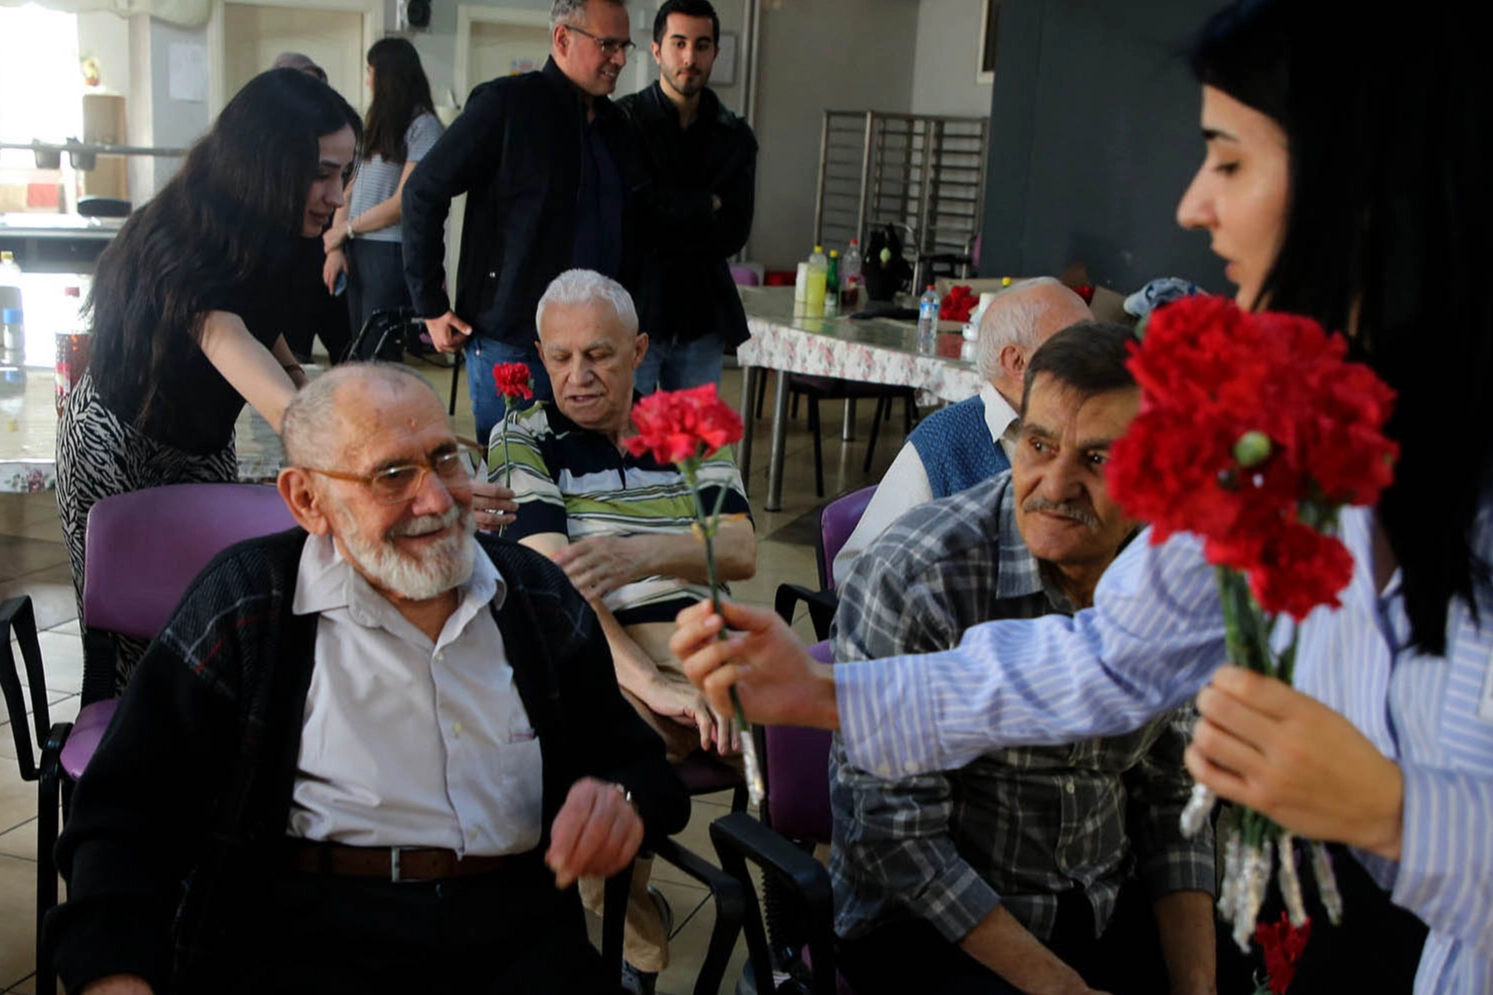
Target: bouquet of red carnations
1254, 432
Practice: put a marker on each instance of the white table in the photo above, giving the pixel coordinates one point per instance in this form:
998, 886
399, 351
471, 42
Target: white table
874, 350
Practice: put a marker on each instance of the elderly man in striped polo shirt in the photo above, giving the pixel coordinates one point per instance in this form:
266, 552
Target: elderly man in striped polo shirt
619, 525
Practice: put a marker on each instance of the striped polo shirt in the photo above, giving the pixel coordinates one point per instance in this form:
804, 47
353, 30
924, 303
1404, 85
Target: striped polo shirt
576, 482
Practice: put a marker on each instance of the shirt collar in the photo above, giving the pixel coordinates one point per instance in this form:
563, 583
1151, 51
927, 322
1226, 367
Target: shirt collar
1000, 418
326, 582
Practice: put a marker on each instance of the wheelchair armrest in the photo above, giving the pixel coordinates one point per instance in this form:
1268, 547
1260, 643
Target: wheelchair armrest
730, 911
821, 604
739, 837
19, 618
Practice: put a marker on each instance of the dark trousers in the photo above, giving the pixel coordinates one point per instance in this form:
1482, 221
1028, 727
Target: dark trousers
508, 933
375, 280
912, 956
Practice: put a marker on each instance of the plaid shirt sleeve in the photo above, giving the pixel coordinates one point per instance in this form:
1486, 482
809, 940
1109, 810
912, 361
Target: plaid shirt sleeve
892, 835
1159, 787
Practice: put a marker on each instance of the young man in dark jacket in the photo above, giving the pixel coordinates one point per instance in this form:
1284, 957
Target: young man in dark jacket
551, 178
369, 754
702, 164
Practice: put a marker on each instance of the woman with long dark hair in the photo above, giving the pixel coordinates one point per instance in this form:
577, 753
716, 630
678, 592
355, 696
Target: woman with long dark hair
184, 303
365, 239
1346, 179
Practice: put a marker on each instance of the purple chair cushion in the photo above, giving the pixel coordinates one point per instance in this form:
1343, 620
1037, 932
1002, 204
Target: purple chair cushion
144, 548
744, 276
87, 730
838, 520
798, 775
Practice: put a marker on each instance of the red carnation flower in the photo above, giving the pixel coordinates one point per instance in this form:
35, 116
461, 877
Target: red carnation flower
513, 381
1212, 375
1282, 945
683, 424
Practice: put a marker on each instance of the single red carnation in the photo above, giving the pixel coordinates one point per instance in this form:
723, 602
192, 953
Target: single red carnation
513, 381
678, 425
1282, 945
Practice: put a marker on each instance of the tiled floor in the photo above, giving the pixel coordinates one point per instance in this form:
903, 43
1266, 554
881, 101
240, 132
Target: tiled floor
33, 561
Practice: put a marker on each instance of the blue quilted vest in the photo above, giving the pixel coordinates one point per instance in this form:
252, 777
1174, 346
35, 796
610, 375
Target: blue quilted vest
955, 446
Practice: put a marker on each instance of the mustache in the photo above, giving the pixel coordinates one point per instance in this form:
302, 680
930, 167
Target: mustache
426, 524
1068, 509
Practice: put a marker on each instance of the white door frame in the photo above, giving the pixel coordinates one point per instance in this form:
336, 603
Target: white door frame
217, 42
469, 14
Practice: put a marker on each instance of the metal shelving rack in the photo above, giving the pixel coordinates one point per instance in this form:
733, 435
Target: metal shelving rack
923, 173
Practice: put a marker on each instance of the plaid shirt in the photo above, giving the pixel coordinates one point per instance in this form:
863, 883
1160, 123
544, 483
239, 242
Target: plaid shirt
1017, 826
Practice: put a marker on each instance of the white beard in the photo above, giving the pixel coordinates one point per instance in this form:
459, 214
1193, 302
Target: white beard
445, 565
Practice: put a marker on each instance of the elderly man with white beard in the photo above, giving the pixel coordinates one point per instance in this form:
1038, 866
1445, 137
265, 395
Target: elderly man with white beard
371, 753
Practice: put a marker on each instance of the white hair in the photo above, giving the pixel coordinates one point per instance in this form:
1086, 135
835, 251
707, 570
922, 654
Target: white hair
311, 424
579, 287
571, 11
1012, 319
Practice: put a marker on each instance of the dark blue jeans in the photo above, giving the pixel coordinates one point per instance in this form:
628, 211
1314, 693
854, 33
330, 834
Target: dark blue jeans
676, 366
482, 356
375, 280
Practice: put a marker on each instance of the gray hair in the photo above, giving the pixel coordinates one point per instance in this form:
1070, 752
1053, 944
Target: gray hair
312, 418
578, 287
304, 63
1012, 319
571, 11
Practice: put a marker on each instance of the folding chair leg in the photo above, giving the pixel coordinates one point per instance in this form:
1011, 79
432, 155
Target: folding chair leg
47, 803
882, 406
762, 392
818, 446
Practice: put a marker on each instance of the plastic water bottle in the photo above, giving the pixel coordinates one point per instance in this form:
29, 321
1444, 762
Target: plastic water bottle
851, 277
928, 321
12, 344
818, 274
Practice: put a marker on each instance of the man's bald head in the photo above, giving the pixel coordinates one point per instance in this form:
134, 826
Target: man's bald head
1017, 322
325, 417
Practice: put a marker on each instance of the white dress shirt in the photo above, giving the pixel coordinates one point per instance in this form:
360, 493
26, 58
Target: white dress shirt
906, 485
407, 742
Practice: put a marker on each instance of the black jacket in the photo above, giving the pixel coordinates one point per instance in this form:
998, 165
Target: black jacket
685, 289
515, 151
192, 781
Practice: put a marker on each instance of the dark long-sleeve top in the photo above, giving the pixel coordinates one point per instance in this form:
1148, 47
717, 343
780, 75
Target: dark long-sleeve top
685, 290
192, 781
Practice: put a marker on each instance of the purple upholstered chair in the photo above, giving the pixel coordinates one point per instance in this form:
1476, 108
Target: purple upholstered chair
795, 817
143, 551
836, 523
744, 276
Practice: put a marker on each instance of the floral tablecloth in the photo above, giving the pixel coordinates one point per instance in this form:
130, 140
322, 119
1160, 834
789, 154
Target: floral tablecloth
871, 351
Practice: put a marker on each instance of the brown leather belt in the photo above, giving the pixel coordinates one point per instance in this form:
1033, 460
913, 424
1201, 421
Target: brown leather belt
394, 863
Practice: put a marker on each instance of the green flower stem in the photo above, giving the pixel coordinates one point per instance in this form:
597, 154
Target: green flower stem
709, 525
507, 461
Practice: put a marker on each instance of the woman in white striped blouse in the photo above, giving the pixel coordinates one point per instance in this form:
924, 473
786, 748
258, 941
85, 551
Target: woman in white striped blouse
1346, 179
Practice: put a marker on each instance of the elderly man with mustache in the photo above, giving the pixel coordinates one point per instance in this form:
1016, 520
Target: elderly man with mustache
372, 753
1028, 870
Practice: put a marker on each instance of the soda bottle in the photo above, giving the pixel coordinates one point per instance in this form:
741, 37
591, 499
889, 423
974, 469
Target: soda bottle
928, 321
74, 347
832, 286
814, 292
851, 277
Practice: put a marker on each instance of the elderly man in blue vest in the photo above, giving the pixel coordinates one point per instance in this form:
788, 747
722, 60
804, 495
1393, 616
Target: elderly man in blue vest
966, 443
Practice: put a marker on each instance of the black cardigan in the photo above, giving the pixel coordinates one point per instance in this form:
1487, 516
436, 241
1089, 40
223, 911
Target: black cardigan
192, 781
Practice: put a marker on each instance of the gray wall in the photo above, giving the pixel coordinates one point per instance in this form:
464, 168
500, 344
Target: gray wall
948, 60
819, 55
1094, 137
